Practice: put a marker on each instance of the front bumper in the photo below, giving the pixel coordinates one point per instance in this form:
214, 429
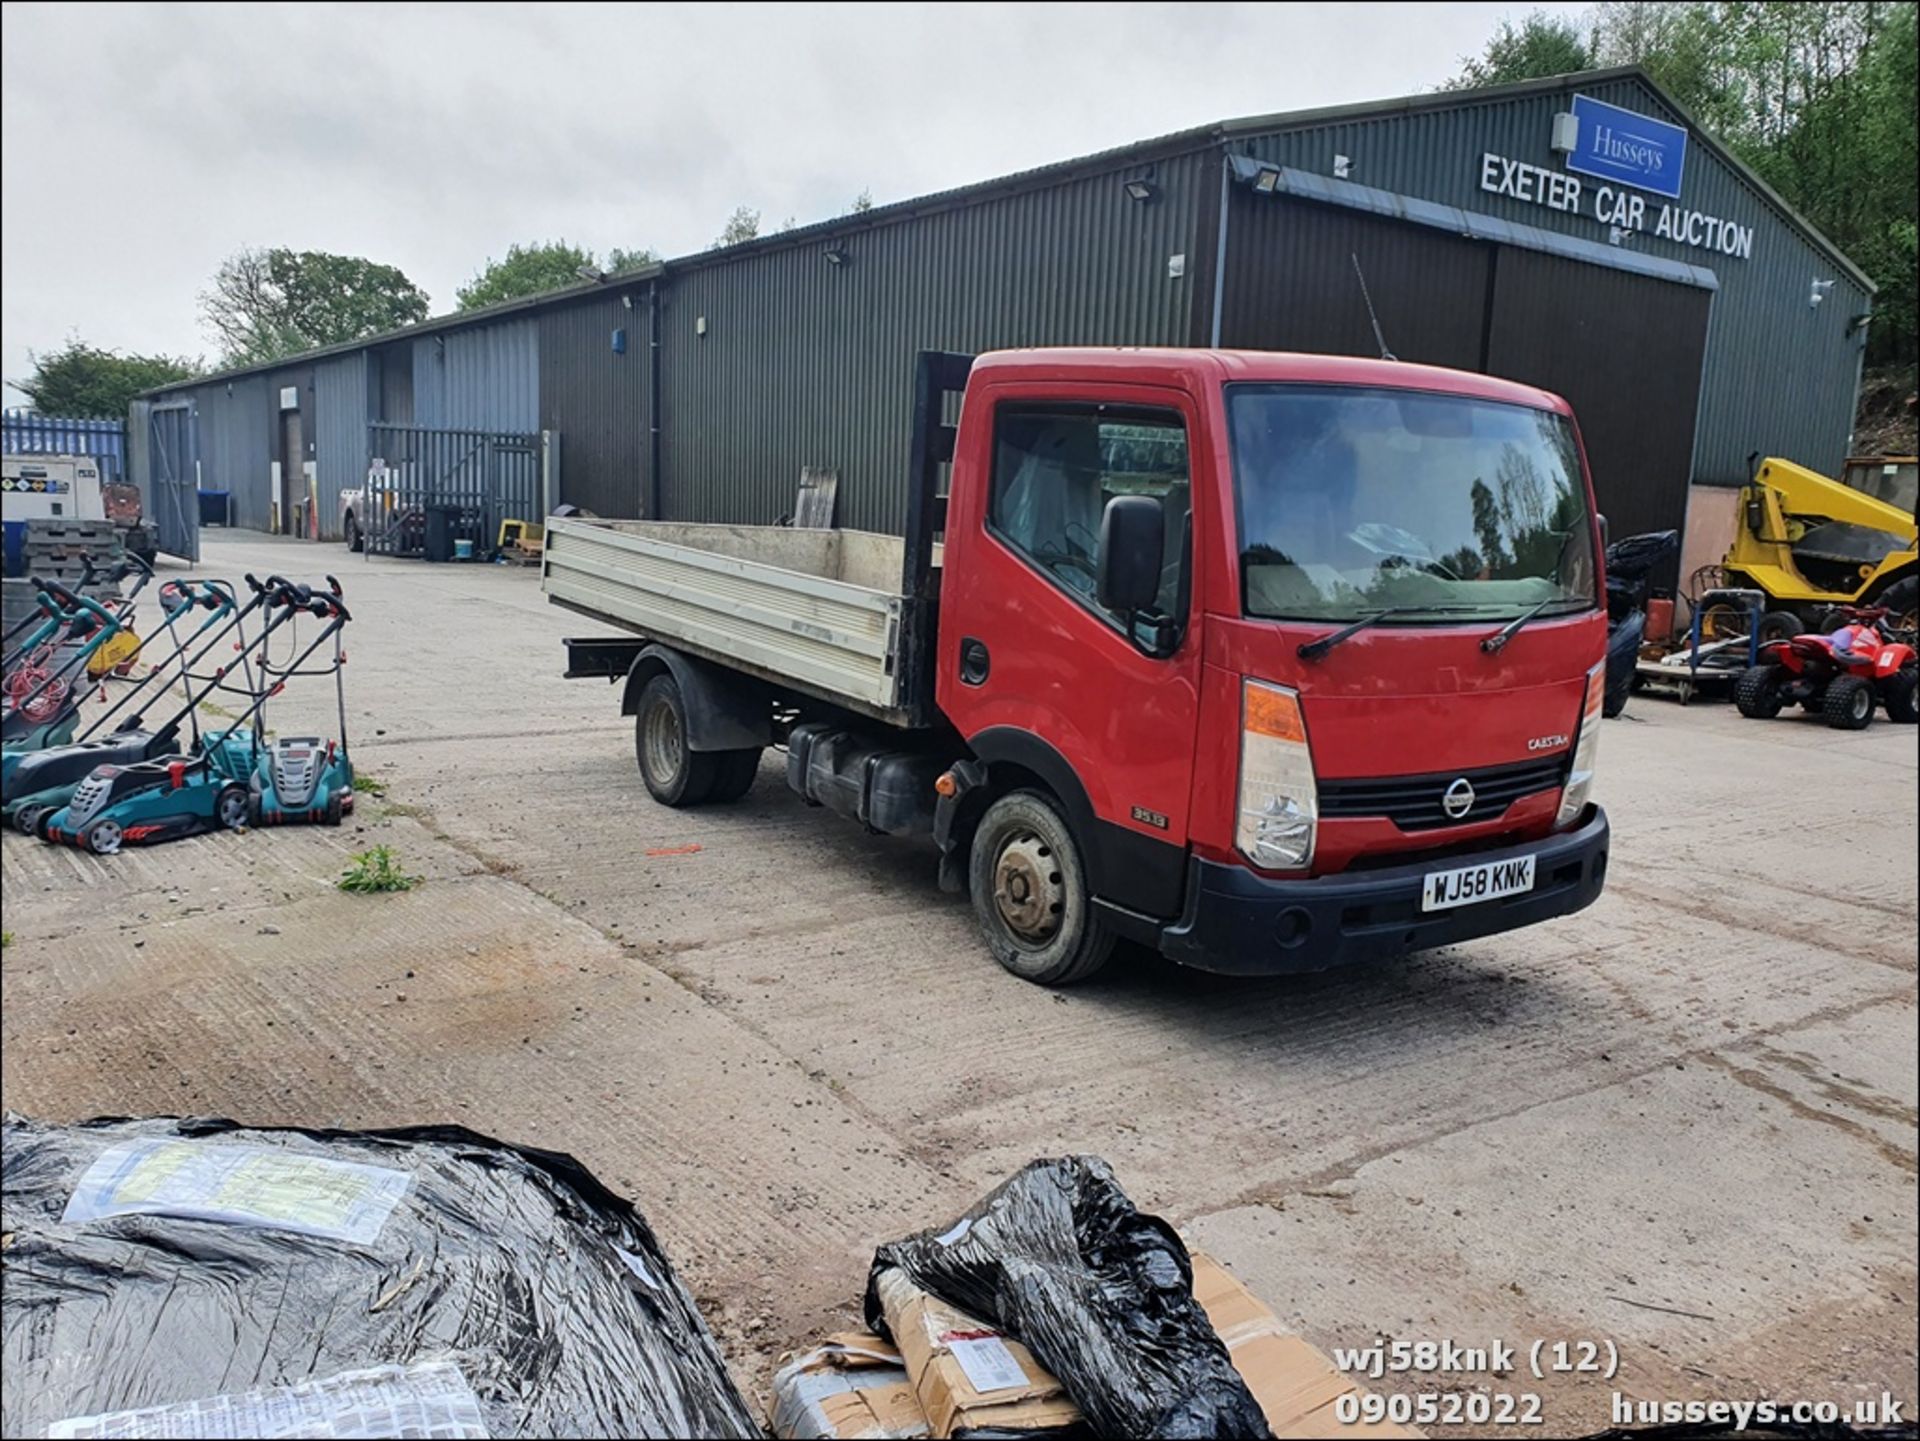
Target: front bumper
1241, 923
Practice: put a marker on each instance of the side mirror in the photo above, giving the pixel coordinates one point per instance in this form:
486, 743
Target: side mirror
1605, 531
1133, 538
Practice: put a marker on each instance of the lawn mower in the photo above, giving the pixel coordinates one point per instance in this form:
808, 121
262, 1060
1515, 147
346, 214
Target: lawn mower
36, 785
1840, 676
43, 693
300, 780
173, 796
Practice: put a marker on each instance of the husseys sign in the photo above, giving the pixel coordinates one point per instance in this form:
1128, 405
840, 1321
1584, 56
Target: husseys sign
1621, 152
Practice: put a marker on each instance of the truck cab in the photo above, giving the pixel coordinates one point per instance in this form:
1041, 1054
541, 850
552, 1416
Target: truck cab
1271, 662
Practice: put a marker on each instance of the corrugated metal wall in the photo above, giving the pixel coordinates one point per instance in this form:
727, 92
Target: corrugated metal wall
808, 363
487, 378
236, 445
1780, 375
598, 401
339, 432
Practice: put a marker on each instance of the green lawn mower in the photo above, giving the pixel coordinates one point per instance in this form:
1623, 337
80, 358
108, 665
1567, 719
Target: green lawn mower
174, 796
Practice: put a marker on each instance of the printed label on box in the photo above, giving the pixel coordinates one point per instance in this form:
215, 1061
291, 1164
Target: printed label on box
988, 1363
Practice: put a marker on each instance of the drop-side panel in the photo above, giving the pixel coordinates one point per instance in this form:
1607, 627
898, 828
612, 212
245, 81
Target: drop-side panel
827, 636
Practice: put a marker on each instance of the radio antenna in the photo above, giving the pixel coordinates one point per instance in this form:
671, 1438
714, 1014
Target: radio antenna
1379, 338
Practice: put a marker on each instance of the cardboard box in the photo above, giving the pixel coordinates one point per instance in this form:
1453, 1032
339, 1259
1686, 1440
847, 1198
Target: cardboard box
850, 1386
968, 1376
1294, 1382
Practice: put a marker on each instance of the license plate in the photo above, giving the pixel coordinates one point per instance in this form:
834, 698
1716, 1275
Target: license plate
1470, 884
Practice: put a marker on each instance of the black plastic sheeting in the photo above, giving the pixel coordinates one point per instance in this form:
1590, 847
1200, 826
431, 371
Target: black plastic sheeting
504, 1260
1102, 1294
1631, 561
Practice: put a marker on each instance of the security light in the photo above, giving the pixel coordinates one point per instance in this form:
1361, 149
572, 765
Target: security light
1267, 181
1141, 189
590, 272
835, 255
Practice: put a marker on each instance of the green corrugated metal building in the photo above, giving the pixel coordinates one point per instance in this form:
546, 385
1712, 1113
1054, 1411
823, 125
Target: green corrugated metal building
1578, 233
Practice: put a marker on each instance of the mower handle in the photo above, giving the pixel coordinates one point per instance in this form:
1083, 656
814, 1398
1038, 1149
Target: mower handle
68, 600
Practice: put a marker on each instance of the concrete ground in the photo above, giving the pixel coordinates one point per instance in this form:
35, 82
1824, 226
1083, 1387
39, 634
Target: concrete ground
1682, 1122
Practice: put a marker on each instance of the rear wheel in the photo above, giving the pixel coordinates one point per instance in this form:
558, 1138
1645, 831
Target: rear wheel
230, 807
1898, 694
1757, 692
1849, 703
25, 817
355, 541
734, 773
1780, 625
335, 809
102, 837
675, 775
1030, 893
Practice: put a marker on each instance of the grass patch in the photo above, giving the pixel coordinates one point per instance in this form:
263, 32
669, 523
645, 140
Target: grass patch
368, 786
6, 939
375, 871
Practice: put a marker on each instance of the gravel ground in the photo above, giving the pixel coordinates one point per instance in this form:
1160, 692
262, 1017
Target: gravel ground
1682, 1122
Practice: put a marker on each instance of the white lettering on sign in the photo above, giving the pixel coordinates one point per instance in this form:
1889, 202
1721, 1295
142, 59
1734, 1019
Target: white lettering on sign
1614, 208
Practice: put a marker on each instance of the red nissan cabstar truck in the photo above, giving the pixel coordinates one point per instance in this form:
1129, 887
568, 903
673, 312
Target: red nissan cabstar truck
1271, 662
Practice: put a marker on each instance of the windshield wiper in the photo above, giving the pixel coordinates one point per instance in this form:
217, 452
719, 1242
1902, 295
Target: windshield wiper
1497, 642
1314, 649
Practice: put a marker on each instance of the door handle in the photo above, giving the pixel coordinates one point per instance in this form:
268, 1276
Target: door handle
974, 661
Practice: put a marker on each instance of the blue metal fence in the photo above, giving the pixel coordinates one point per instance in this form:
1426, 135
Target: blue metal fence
27, 433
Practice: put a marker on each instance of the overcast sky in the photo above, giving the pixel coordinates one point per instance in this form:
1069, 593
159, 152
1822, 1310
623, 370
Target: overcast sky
143, 144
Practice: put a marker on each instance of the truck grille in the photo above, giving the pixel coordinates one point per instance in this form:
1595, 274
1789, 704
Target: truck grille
1413, 803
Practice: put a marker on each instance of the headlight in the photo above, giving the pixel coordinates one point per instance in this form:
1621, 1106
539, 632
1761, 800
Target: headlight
1573, 799
1279, 805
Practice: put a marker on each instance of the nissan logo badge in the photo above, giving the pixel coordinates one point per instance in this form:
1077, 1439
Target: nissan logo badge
1457, 799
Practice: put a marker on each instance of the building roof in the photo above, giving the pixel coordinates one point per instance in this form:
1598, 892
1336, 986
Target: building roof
1179, 142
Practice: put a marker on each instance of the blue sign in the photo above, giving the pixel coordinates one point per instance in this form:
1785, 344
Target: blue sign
1628, 147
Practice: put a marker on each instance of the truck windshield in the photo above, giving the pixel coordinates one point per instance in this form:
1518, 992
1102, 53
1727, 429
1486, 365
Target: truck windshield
1355, 500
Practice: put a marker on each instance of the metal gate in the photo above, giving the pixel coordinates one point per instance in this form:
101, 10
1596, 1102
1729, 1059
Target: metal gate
479, 478
172, 501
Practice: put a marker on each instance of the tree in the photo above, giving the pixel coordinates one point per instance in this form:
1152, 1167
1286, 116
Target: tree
619, 260
862, 203
1542, 45
84, 380
743, 225
268, 303
526, 270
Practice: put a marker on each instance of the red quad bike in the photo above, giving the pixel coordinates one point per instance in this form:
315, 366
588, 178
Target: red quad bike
1839, 676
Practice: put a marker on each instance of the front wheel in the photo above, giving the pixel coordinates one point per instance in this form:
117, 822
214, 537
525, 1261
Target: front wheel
675, 775
102, 837
1849, 703
1898, 694
230, 807
355, 541
1757, 692
1030, 893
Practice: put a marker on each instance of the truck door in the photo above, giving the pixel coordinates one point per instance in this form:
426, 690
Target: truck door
1032, 670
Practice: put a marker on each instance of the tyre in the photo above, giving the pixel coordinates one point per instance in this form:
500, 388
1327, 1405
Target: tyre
335, 809
102, 837
734, 773
1902, 600
1780, 625
1757, 692
1898, 695
26, 817
675, 776
1030, 893
231, 808
1848, 705
43, 821
351, 529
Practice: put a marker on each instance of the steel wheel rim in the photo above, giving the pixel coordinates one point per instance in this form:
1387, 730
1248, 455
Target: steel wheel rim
1029, 891
666, 750
104, 838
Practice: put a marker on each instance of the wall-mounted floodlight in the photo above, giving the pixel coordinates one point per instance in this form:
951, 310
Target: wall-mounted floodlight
1267, 181
835, 255
590, 272
1141, 189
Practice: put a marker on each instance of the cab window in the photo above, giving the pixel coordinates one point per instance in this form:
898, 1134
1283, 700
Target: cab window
1054, 470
